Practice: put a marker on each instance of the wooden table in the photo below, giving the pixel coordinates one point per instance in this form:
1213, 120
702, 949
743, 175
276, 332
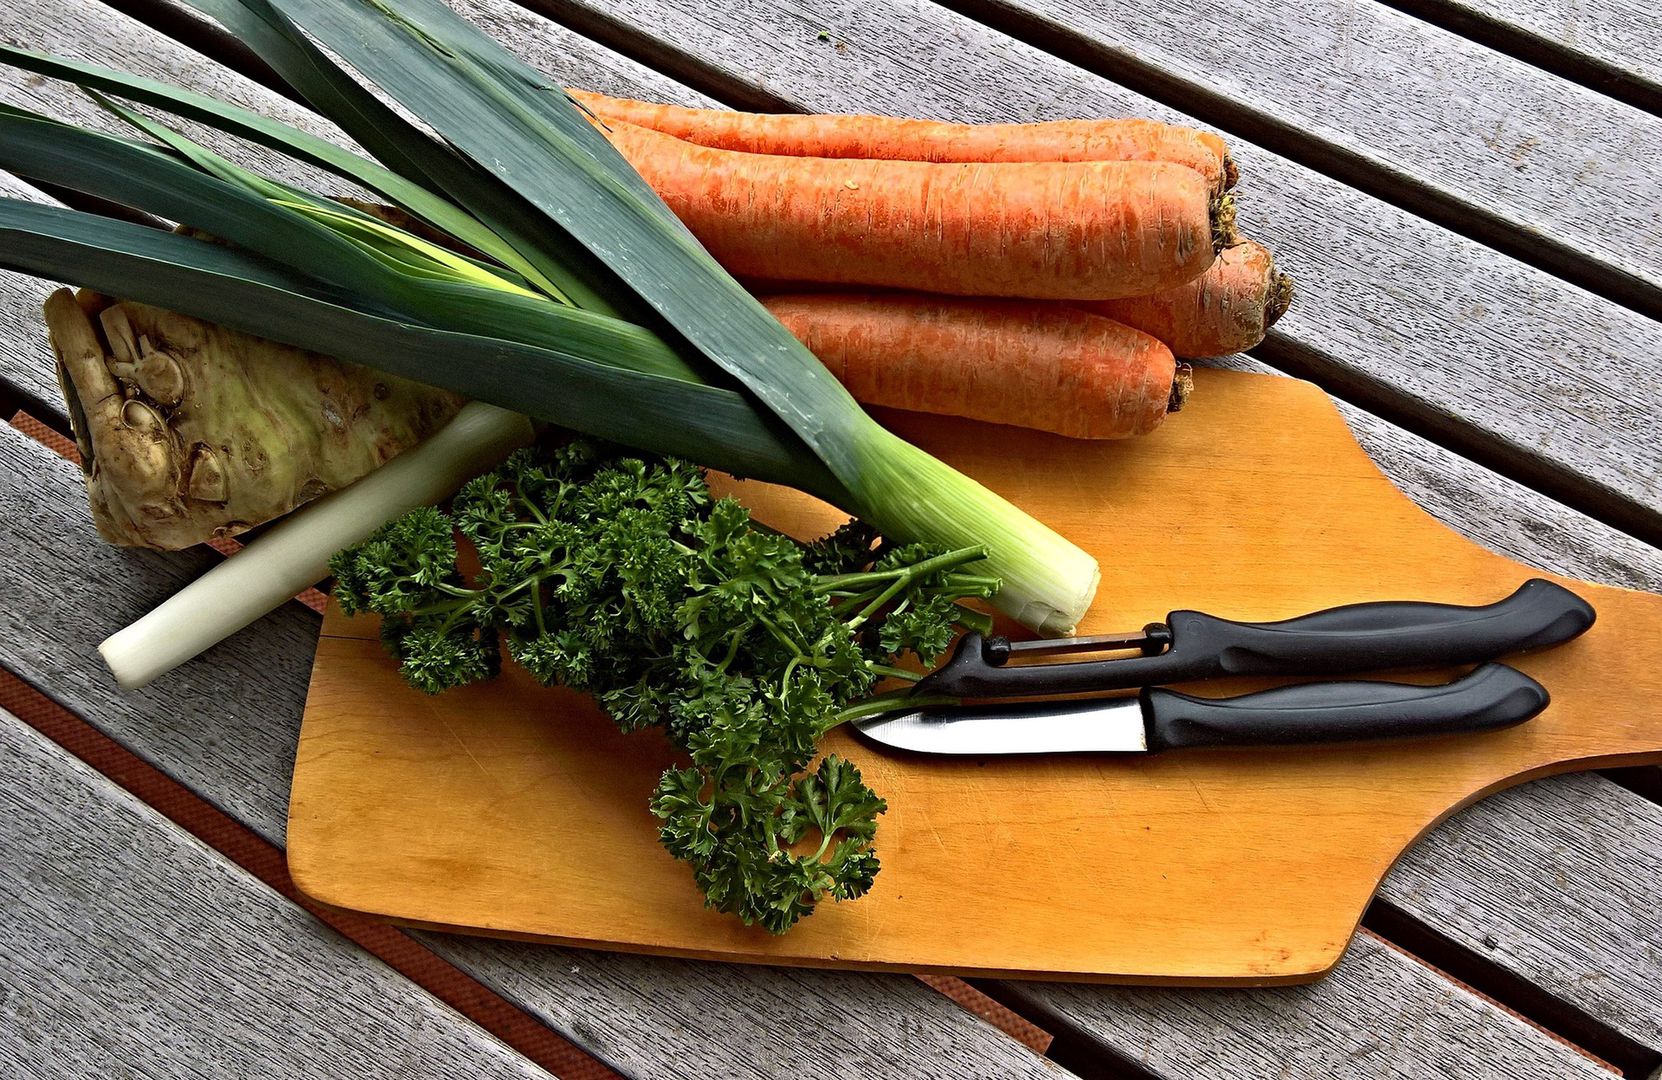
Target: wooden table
1466, 191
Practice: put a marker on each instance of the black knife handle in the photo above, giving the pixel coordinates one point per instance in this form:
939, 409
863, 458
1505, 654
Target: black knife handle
1493, 696
1383, 636
1343, 640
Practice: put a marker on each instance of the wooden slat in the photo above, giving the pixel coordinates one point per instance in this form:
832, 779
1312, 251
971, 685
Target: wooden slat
1427, 110
1480, 347
1623, 36
1378, 1015
1562, 882
130, 949
227, 725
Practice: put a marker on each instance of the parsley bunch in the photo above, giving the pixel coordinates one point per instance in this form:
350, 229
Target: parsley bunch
621, 576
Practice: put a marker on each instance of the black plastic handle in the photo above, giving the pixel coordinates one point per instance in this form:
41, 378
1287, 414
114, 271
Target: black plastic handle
1493, 696
1343, 640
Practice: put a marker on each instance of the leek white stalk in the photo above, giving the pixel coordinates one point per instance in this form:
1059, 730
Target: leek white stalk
295, 552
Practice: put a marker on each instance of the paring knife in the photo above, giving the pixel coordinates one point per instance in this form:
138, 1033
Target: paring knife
1493, 696
1192, 645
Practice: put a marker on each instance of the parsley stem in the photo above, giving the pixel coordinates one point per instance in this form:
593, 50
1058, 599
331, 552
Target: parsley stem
970, 619
893, 701
882, 598
880, 577
536, 511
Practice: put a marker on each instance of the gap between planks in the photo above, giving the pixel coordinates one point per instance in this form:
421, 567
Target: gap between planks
1599, 76
1551, 1016
518, 1029
1463, 217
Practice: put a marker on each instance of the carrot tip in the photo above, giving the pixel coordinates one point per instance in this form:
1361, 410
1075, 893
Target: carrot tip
1280, 298
1182, 385
1231, 172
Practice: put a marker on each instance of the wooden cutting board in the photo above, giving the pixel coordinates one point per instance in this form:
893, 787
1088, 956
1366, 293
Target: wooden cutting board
514, 810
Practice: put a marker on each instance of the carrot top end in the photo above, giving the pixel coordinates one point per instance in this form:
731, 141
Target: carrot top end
1280, 298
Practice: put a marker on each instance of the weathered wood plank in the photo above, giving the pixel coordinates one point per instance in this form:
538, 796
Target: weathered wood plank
1430, 109
227, 726
1378, 1015
1483, 346
131, 949
1552, 873
1623, 34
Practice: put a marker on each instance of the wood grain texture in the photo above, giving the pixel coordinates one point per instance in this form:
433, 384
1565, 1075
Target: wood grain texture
1378, 1016
709, 1020
1398, 307
1624, 34
1417, 103
1593, 854
131, 949
226, 725
1254, 864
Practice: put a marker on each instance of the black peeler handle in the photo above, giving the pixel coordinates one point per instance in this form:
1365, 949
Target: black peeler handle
1493, 696
1342, 640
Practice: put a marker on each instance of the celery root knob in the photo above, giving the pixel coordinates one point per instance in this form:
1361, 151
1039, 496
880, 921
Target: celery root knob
189, 431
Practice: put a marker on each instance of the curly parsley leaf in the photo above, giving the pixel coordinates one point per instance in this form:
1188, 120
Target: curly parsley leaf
622, 576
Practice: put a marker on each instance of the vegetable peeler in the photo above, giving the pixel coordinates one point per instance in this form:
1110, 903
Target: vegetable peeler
1191, 645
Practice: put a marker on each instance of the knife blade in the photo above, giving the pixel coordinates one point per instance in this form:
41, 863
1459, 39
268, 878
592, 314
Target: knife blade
1493, 696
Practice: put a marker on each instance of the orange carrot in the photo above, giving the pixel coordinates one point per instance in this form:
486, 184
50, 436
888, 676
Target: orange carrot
1045, 230
900, 139
1043, 366
1225, 310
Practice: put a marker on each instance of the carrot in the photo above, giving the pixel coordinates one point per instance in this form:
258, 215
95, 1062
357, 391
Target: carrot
1044, 366
900, 139
1225, 310
1044, 230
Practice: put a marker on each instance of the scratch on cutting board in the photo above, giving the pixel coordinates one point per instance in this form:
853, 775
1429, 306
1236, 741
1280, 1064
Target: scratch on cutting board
459, 742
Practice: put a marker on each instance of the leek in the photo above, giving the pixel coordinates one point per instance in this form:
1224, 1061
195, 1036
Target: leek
606, 315
294, 553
